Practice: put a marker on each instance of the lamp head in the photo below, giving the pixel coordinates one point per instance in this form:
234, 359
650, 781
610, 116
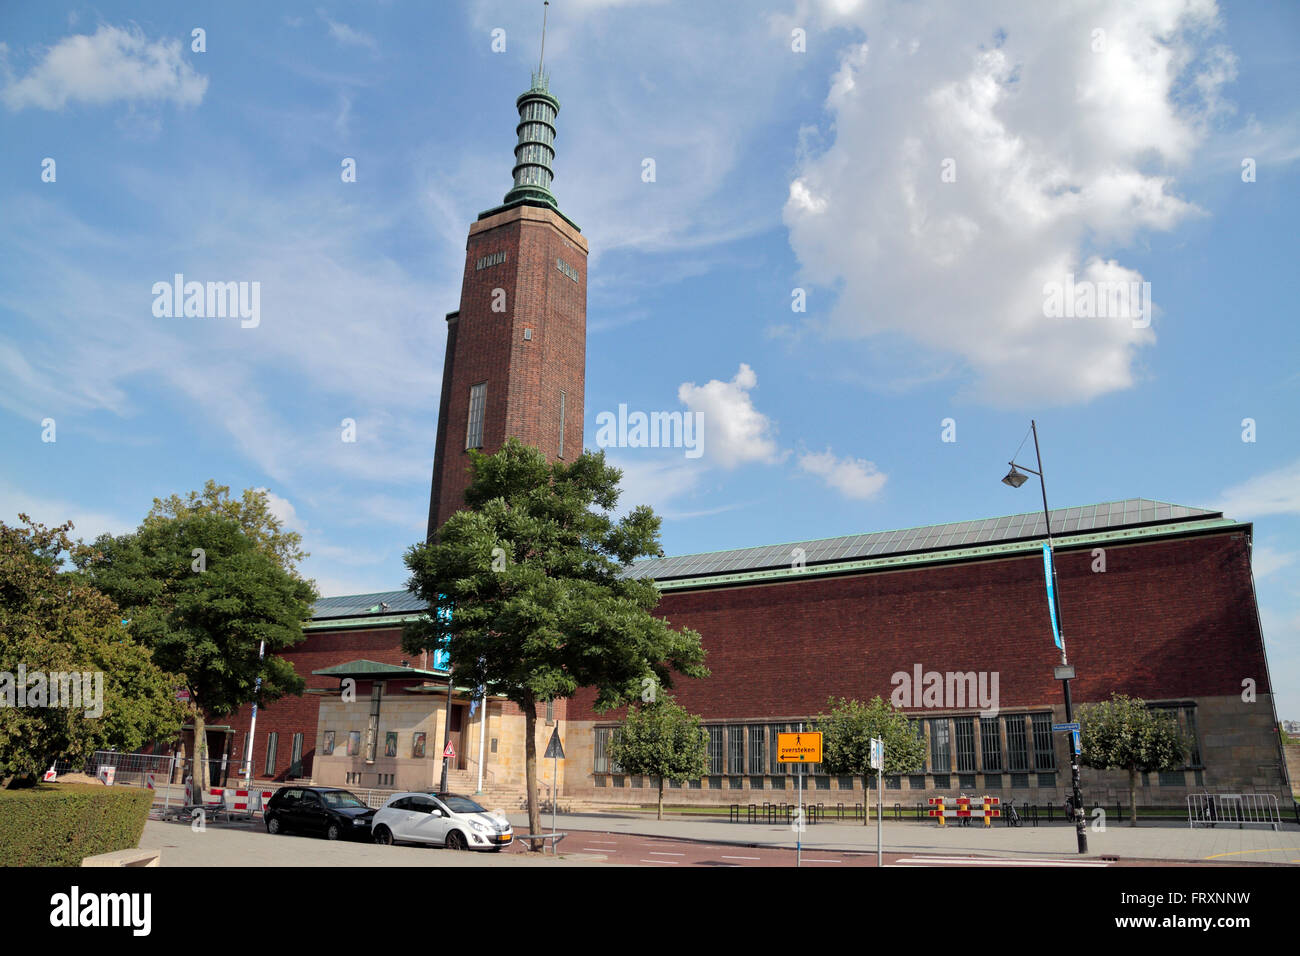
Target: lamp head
1015, 478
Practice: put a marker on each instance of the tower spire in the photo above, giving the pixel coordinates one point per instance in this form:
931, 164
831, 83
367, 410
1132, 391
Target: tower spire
542, 56
535, 147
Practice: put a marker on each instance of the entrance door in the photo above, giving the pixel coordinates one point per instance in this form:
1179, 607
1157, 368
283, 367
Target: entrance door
458, 734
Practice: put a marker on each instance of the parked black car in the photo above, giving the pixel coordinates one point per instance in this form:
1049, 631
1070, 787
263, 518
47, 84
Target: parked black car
322, 811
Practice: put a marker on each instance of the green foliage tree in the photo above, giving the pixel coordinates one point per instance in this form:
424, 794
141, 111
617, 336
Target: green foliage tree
661, 739
252, 510
531, 573
1124, 734
203, 592
846, 740
51, 622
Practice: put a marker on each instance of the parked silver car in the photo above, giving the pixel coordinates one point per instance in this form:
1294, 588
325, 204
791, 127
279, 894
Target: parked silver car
442, 819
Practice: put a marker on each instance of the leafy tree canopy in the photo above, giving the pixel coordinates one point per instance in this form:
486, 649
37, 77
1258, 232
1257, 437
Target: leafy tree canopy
51, 623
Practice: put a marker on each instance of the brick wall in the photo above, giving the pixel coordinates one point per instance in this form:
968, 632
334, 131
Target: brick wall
1166, 619
524, 376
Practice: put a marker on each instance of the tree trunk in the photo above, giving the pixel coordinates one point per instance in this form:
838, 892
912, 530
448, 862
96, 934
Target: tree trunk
661, 798
530, 770
1132, 797
866, 798
200, 753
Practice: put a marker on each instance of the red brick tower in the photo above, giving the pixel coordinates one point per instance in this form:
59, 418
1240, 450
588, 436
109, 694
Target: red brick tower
517, 348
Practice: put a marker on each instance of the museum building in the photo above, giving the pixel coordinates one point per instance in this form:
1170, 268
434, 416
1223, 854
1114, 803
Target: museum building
1157, 601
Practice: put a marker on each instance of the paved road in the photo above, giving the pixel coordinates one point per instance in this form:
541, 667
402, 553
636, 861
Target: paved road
1171, 843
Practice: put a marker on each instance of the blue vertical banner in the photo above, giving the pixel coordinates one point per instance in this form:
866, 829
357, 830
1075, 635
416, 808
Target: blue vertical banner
1051, 596
442, 656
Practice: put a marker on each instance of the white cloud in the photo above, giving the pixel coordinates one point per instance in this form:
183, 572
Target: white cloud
87, 524
1272, 493
346, 35
1265, 560
1062, 156
852, 477
735, 432
110, 65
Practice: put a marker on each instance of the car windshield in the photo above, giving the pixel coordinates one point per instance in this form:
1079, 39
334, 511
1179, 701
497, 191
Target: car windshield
462, 805
340, 800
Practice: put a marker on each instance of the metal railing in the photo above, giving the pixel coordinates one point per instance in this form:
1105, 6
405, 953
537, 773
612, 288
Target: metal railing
1243, 809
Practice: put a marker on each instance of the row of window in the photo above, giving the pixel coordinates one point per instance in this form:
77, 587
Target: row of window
968, 782
1021, 743
538, 110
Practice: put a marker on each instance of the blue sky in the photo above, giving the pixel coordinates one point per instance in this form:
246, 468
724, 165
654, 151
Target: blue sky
921, 174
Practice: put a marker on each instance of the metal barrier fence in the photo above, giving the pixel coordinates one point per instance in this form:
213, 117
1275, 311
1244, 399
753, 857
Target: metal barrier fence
1243, 809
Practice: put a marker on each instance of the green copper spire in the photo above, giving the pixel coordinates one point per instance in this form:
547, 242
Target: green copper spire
535, 148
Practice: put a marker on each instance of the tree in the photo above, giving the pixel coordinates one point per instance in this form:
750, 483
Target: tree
531, 571
203, 593
660, 739
252, 510
846, 741
56, 626
1124, 734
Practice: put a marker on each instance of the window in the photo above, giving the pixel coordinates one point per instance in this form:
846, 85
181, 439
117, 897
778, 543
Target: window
716, 753
990, 744
965, 744
272, 739
550, 713
477, 402
295, 760
600, 759
562, 400
756, 761
1044, 752
940, 746
736, 750
1017, 744
614, 734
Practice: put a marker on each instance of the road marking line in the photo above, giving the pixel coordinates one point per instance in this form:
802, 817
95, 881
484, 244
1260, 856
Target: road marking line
968, 861
660, 853
806, 860
725, 857
1280, 849
669, 862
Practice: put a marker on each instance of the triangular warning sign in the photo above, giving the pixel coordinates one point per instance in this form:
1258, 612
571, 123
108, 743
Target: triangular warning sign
450, 752
554, 748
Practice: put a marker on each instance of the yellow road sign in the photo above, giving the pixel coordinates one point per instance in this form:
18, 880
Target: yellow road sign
799, 747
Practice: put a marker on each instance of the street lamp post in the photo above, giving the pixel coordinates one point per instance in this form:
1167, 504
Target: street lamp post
1065, 672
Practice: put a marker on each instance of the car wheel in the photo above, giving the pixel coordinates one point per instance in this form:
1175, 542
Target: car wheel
456, 840
383, 836
273, 826
332, 832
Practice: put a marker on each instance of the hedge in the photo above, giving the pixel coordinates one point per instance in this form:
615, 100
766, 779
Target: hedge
62, 824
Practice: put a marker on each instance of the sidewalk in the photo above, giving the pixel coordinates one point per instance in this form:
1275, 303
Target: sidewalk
1046, 841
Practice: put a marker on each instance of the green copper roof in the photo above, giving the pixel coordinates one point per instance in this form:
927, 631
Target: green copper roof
374, 670
534, 148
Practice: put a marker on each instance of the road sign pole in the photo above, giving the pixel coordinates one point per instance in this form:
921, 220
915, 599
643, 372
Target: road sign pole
880, 807
555, 777
798, 833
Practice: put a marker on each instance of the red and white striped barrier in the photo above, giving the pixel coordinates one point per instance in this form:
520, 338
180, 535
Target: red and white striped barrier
963, 809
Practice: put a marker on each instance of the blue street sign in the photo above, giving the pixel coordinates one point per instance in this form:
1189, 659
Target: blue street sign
1051, 600
1078, 747
1072, 726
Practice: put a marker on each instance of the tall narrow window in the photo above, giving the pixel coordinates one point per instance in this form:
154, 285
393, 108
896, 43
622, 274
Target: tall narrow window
940, 746
271, 740
965, 744
562, 398
716, 763
295, 758
990, 744
477, 402
1044, 751
1017, 744
735, 749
